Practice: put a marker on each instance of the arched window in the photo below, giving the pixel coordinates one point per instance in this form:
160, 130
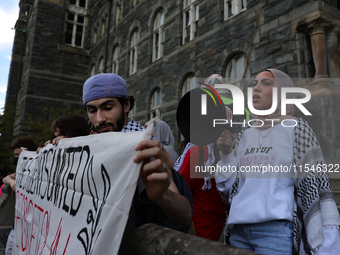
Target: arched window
235, 68
115, 63
158, 35
75, 23
101, 66
190, 20
134, 52
233, 7
155, 104
189, 84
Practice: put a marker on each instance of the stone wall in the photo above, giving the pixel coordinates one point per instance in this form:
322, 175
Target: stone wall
18, 54
53, 73
268, 33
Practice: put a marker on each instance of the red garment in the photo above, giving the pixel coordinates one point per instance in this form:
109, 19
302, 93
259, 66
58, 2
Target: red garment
1, 189
208, 207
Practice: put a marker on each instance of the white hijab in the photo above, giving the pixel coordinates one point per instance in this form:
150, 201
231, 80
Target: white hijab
280, 80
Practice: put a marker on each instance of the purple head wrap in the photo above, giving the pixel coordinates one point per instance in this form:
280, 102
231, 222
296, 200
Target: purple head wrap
104, 85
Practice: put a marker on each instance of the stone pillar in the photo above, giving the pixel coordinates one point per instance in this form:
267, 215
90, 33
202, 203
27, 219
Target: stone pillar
316, 30
324, 90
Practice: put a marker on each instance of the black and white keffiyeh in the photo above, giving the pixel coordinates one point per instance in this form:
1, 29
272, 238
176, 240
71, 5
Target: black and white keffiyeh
179, 162
314, 205
132, 126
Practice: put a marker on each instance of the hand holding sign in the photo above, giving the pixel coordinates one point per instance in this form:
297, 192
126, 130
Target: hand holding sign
160, 189
156, 174
70, 196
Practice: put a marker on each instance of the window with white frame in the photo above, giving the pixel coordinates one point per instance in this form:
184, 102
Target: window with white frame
75, 23
158, 36
115, 63
133, 52
235, 69
101, 66
233, 7
93, 70
189, 84
190, 20
119, 12
156, 101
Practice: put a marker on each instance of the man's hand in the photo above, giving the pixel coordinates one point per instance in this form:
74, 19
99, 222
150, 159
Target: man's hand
10, 180
156, 174
226, 141
23, 149
47, 142
56, 140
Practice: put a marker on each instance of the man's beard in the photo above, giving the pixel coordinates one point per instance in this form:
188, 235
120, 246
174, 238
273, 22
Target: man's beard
116, 128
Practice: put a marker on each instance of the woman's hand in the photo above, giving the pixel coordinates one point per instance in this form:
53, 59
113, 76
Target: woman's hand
226, 141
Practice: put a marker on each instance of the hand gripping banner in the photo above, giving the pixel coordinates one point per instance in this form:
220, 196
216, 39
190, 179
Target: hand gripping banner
74, 198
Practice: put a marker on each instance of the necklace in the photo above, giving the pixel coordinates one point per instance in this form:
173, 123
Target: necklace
264, 137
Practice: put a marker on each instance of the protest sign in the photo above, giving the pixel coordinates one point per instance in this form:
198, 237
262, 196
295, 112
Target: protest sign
75, 198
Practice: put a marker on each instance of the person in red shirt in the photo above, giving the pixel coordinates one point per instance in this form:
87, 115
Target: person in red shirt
208, 207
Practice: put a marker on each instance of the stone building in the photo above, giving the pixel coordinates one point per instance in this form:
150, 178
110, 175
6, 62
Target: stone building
162, 47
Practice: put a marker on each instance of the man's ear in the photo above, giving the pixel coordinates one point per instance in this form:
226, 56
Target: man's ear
127, 105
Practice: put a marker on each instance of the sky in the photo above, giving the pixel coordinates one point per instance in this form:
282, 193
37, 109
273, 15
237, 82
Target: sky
9, 12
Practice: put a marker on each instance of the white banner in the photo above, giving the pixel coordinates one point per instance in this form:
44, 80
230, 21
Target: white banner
75, 198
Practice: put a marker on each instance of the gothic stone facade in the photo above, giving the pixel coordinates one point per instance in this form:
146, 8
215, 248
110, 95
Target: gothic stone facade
161, 46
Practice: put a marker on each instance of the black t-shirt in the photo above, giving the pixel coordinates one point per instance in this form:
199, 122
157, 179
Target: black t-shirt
144, 211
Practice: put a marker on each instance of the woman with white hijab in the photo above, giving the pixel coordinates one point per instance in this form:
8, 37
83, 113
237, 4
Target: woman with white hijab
277, 206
